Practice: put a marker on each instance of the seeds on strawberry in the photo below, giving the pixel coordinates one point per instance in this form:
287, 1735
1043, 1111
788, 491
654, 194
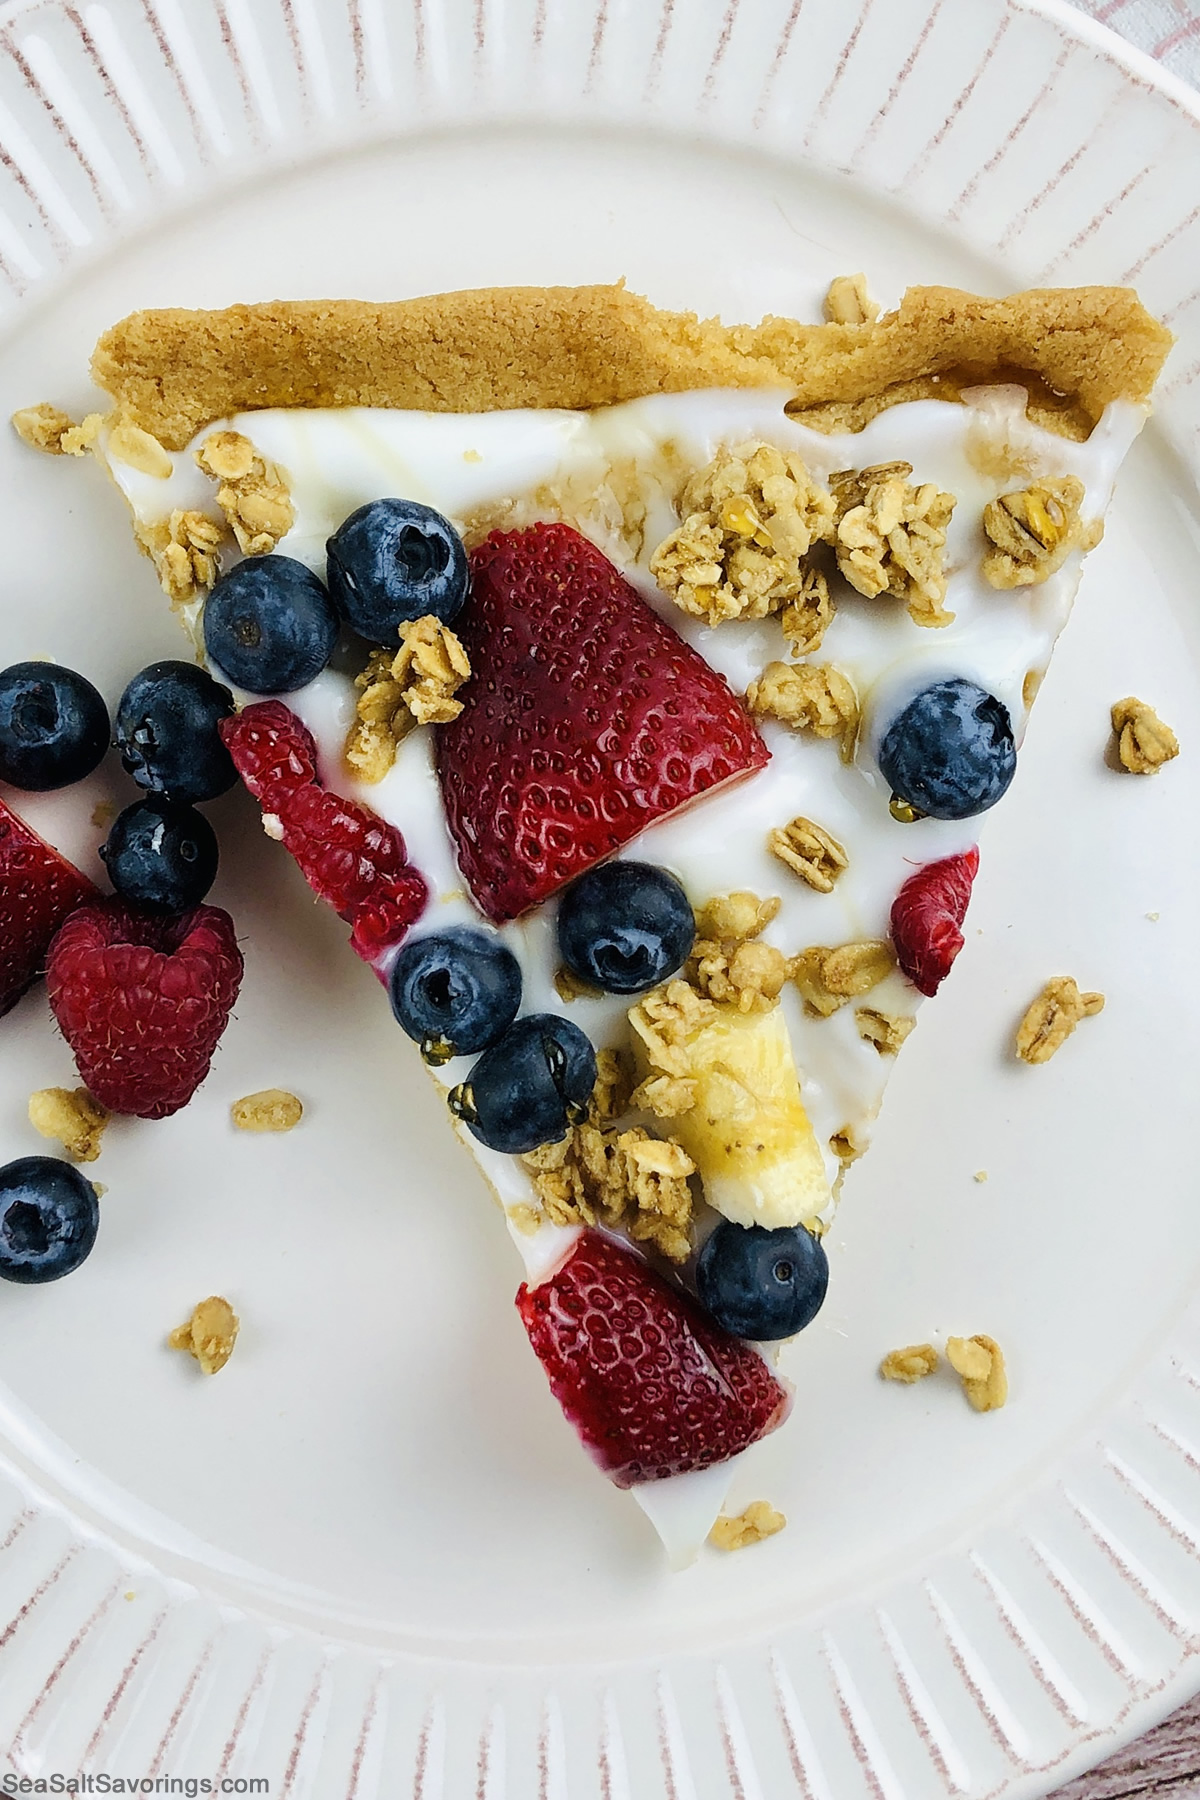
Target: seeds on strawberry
927, 916
651, 1384
38, 890
587, 719
143, 1001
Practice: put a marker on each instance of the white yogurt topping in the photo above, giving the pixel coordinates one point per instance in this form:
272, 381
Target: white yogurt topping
335, 460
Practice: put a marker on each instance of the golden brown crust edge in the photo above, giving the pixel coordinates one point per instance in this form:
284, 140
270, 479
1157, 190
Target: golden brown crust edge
482, 349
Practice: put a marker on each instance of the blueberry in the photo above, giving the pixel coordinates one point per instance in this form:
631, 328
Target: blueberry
394, 560
161, 856
269, 625
166, 731
625, 926
455, 992
53, 726
48, 1218
950, 753
530, 1087
762, 1284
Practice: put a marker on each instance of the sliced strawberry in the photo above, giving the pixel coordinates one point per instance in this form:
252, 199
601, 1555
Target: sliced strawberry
38, 890
586, 719
651, 1384
927, 916
349, 856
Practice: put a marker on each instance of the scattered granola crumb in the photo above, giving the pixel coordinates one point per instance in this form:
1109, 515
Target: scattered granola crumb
1032, 531
891, 537
846, 1146
209, 1335
103, 814
849, 303
666, 1096
72, 1117
811, 851
42, 427
614, 1082
760, 1520
99, 1188
272, 826
568, 986
183, 549
1052, 1017
1154, 917
1031, 686
1144, 743
736, 917
980, 1175
253, 494
274, 1109
527, 1219
138, 449
400, 689
596, 1176
665, 1019
85, 436
472, 456
750, 517
727, 963
887, 1031
913, 1363
827, 978
812, 697
979, 1364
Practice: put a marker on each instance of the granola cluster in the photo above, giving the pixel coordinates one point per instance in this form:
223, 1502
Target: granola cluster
811, 851
397, 690
750, 517
979, 1364
828, 978
891, 537
209, 1335
665, 1020
253, 493
1052, 1017
72, 1118
184, 550
608, 1177
1144, 741
760, 1520
728, 964
887, 1031
913, 1363
814, 697
42, 427
1031, 532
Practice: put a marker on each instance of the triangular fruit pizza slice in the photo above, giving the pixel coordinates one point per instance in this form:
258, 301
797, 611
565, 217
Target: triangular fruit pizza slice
677, 665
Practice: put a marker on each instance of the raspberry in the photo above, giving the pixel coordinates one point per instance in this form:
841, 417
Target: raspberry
273, 750
38, 890
143, 1001
927, 916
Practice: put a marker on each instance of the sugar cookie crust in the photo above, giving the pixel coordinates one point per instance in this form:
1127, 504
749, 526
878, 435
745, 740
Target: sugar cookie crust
172, 371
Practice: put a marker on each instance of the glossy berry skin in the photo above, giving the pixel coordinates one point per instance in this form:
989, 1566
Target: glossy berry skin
762, 1284
587, 718
392, 561
38, 890
950, 754
48, 1219
269, 625
651, 1384
53, 726
167, 732
927, 916
528, 1088
161, 856
455, 992
625, 926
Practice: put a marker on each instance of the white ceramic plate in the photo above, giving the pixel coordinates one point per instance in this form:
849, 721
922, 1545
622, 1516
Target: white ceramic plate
369, 1559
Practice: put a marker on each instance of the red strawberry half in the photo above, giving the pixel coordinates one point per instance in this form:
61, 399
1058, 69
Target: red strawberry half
143, 1001
927, 916
38, 890
651, 1384
586, 719
347, 854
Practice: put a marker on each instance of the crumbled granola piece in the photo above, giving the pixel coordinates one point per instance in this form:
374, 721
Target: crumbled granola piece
891, 537
103, 814
666, 1096
979, 1364
760, 1520
141, 450
183, 549
79, 439
736, 918
1052, 1017
526, 1218
614, 1083
811, 851
400, 689
807, 616
665, 1019
1144, 743
610, 1177
209, 1335
1031, 686
42, 427
849, 303
253, 493
750, 517
727, 964
887, 1031
1031, 532
846, 1146
274, 1109
72, 1117
827, 978
980, 1175
568, 986
913, 1363
812, 697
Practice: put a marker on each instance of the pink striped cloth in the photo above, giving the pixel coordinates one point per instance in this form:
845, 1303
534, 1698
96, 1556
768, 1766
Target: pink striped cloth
1167, 29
